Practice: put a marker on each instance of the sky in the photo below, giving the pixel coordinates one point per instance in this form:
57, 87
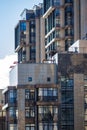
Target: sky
10, 11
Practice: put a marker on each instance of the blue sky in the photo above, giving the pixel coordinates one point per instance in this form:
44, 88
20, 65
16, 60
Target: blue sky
10, 11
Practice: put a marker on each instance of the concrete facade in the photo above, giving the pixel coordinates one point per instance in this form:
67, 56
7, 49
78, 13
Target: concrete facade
24, 74
79, 101
74, 66
67, 96
36, 103
21, 109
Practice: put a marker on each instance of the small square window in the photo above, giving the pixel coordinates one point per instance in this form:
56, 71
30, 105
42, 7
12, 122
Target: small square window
29, 79
48, 79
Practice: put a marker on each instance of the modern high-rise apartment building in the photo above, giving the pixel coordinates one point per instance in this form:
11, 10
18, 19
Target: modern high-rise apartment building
48, 96
49, 28
29, 35
52, 96
32, 93
65, 22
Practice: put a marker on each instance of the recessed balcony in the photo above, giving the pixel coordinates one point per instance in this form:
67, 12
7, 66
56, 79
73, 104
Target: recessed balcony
21, 44
53, 29
46, 103
59, 26
68, 25
13, 119
48, 117
30, 120
18, 48
48, 98
69, 36
59, 6
53, 40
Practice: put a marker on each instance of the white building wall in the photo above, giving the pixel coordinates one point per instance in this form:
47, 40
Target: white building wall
80, 46
13, 76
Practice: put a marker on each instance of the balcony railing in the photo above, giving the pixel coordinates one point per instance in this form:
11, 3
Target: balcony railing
48, 98
46, 117
78, 49
59, 49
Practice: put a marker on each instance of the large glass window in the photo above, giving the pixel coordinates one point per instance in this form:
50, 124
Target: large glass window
68, 19
67, 102
23, 54
32, 32
48, 113
29, 111
13, 127
68, 1
67, 114
32, 23
12, 96
33, 48
68, 43
67, 127
67, 97
56, 2
50, 22
29, 94
67, 85
32, 39
57, 33
48, 126
22, 26
48, 94
30, 127
32, 57
47, 4
57, 22
68, 9
17, 36
12, 112
57, 12
69, 32
69, 15
67, 82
